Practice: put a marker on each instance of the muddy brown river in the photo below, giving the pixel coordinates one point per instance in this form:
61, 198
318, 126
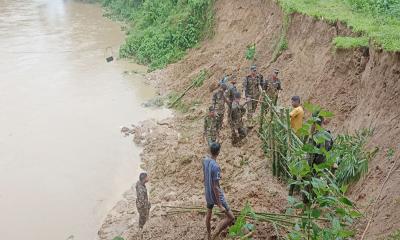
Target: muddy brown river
63, 161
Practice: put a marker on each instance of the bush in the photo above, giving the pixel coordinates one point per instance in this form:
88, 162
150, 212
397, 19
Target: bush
162, 29
351, 156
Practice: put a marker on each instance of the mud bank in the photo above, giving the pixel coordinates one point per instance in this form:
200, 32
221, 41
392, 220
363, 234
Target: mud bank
360, 86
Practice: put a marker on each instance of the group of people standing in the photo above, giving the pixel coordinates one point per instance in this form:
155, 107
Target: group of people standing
254, 85
227, 98
228, 95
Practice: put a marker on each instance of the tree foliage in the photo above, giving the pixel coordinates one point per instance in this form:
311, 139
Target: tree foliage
162, 30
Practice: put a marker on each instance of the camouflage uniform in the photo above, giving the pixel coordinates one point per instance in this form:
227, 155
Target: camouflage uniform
238, 130
272, 88
229, 95
251, 86
142, 203
218, 102
210, 129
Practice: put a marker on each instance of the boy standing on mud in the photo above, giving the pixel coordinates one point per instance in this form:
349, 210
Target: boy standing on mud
213, 192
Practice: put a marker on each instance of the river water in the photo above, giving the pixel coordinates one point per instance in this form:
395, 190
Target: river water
63, 161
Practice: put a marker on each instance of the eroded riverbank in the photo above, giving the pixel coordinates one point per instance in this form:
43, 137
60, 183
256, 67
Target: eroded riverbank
343, 81
63, 162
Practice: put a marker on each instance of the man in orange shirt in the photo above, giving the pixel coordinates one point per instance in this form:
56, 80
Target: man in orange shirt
296, 115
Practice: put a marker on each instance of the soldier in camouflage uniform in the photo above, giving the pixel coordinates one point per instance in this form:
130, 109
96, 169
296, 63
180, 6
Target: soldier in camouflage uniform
238, 130
218, 102
252, 85
210, 126
230, 95
142, 201
273, 87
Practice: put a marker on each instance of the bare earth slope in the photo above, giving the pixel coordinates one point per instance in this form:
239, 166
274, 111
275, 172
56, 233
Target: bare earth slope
361, 87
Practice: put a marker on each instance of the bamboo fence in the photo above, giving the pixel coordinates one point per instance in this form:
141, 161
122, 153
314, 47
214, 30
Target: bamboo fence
279, 140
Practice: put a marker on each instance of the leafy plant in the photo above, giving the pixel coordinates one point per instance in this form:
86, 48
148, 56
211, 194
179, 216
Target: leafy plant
250, 51
241, 226
162, 30
322, 195
351, 157
322, 192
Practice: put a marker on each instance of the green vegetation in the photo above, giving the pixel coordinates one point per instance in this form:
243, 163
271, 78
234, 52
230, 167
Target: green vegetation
285, 148
162, 30
350, 42
324, 211
351, 156
250, 51
395, 236
241, 227
378, 20
118, 238
282, 44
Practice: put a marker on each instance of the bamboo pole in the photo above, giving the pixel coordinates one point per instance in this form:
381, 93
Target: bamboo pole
272, 137
262, 112
247, 235
294, 136
289, 135
282, 146
202, 209
183, 94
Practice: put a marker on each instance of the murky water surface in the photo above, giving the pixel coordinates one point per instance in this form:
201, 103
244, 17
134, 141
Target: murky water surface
63, 162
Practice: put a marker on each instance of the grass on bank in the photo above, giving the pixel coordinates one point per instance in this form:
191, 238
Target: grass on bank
350, 42
378, 20
162, 30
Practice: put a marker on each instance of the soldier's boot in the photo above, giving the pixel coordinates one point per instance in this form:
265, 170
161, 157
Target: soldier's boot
234, 137
242, 133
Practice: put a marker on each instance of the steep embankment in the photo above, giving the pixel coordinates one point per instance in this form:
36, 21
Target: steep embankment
360, 86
